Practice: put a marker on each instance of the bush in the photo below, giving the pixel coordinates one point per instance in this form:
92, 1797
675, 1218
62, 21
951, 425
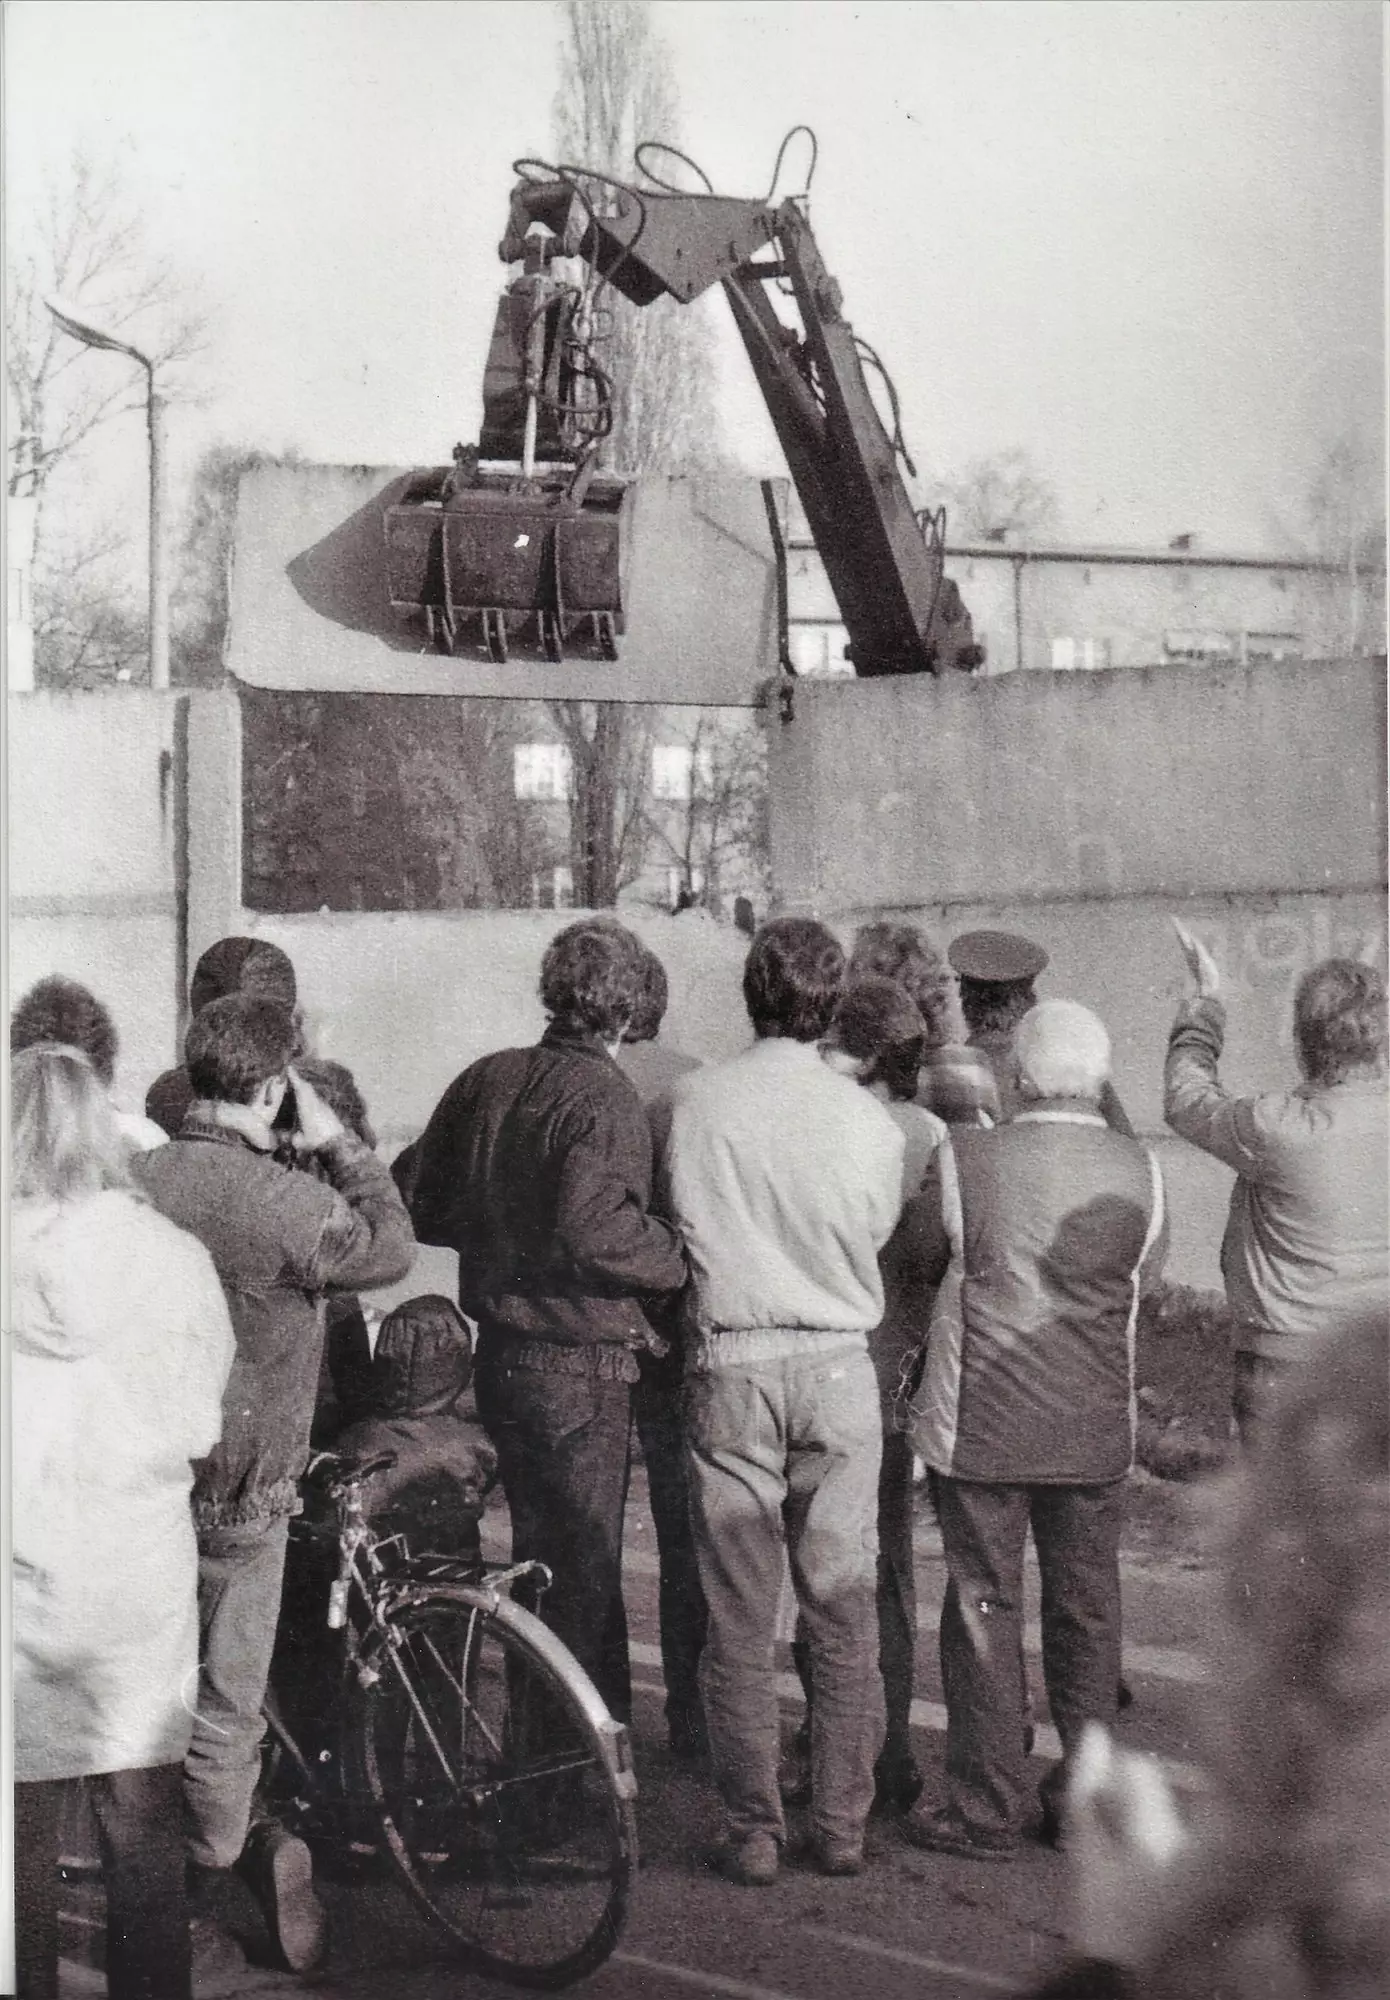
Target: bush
1183, 1372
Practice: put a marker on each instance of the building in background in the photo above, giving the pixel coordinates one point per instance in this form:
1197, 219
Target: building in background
1072, 609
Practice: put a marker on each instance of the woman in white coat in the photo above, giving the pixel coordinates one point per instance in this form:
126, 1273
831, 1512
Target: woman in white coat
121, 1346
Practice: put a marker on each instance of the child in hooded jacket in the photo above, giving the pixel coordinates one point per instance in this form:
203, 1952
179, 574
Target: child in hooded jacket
433, 1495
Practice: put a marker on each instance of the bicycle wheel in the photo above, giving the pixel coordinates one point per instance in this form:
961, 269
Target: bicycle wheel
503, 1787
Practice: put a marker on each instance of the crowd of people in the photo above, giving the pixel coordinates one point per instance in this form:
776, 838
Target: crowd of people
911, 1221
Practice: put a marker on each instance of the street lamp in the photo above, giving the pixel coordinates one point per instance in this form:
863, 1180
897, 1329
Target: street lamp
72, 321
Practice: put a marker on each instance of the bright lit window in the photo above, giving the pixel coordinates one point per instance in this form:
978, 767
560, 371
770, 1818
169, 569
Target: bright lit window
1200, 645
1273, 646
542, 771
819, 650
1071, 655
680, 772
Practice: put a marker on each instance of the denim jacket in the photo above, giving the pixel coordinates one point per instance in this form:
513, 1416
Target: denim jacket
279, 1240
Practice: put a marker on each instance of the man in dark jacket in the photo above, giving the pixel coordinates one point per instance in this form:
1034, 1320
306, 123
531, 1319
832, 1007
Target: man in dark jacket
1048, 1227
536, 1168
280, 1240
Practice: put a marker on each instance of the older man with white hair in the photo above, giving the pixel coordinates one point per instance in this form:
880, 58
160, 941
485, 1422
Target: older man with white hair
1047, 1227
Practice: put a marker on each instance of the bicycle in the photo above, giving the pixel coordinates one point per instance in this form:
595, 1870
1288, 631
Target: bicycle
474, 1749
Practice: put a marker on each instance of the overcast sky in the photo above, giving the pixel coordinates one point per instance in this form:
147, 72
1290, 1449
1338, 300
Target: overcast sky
1141, 241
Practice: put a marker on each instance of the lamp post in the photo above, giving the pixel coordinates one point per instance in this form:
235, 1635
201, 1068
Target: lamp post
73, 322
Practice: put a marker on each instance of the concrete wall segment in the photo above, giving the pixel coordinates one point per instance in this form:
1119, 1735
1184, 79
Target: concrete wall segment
1166, 780
310, 609
93, 813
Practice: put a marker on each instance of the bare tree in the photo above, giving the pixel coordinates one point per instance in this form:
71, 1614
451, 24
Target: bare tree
1001, 498
610, 750
457, 772
616, 89
88, 244
720, 826
1345, 512
88, 629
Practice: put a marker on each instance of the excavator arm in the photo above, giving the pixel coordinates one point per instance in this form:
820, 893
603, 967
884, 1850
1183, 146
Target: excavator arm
545, 390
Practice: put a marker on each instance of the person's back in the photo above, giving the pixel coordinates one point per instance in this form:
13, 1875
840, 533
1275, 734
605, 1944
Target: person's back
786, 1181
279, 1239
1056, 1212
1307, 1233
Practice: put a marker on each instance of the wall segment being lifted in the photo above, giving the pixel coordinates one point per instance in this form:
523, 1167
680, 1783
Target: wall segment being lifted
310, 606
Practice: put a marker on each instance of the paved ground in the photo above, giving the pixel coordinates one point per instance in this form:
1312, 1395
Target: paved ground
912, 1925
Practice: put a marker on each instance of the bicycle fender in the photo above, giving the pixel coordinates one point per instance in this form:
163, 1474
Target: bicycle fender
614, 1740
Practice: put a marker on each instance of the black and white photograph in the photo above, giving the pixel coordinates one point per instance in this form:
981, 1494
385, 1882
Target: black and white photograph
697, 1208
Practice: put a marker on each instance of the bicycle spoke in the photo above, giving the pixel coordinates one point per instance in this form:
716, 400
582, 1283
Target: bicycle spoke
493, 1793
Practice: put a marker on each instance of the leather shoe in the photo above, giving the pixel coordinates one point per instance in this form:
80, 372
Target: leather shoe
753, 1860
279, 1871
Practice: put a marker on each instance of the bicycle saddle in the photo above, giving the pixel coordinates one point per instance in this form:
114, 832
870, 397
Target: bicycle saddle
331, 1470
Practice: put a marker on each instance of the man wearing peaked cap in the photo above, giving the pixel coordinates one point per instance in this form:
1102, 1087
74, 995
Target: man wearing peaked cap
997, 970
997, 958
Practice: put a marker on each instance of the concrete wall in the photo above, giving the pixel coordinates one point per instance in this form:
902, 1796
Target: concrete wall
310, 602
1087, 810
94, 824
407, 999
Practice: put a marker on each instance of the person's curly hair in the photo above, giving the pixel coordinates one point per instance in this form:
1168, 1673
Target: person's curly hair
1291, 1902
592, 977
645, 1024
60, 1013
877, 1021
1339, 1020
906, 954
792, 979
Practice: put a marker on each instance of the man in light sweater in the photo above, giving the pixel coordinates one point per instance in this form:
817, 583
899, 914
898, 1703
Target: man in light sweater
786, 1181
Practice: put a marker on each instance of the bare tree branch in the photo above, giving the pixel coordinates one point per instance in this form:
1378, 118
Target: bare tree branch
88, 244
1001, 498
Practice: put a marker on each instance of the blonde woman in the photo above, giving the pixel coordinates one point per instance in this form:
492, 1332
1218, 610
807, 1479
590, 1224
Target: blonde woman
121, 1345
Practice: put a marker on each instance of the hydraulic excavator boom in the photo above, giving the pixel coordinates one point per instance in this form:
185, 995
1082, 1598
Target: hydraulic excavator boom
523, 539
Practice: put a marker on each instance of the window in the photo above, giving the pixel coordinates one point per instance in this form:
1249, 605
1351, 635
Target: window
1087, 654
553, 888
675, 882
681, 772
542, 771
1273, 646
819, 649
1200, 645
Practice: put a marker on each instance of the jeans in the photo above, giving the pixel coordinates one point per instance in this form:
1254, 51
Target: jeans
984, 1528
240, 1572
562, 1455
897, 1608
656, 1403
142, 1863
786, 1453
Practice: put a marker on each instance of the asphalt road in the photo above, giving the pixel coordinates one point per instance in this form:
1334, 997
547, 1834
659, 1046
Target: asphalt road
912, 1924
